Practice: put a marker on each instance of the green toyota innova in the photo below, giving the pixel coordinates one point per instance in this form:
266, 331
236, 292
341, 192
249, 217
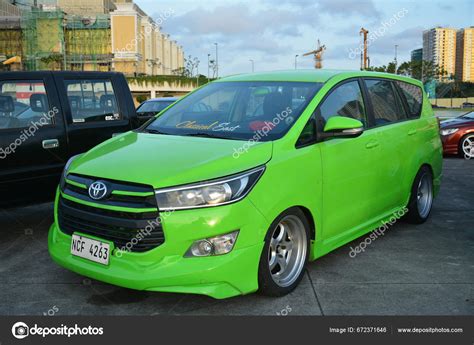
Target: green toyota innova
235, 187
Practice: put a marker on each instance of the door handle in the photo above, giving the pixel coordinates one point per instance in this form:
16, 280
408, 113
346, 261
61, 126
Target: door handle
372, 144
412, 132
50, 143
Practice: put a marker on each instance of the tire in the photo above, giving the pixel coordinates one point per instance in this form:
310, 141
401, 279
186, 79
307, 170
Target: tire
464, 141
281, 270
421, 197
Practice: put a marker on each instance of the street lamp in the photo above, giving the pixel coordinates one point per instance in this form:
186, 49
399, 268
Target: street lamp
296, 61
208, 66
217, 61
396, 62
253, 65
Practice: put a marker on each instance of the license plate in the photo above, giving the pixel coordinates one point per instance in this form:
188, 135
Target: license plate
90, 249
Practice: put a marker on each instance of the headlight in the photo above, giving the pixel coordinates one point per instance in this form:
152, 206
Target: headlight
212, 193
448, 131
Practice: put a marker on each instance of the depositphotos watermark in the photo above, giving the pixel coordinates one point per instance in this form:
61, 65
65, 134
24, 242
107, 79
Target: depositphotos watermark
380, 231
263, 132
21, 330
143, 233
27, 133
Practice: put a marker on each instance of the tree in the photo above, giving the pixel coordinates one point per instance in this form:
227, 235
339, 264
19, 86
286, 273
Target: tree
421, 70
192, 66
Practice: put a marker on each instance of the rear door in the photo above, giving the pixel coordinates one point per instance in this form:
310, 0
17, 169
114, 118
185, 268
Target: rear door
96, 108
33, 144
395, 133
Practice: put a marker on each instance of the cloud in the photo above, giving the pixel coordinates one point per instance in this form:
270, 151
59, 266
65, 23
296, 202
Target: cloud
406, 40
343, 8
363, 8
237, 20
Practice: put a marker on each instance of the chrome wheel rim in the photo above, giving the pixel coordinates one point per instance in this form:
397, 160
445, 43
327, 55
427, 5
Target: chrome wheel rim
424, 195
287, 253
468, 146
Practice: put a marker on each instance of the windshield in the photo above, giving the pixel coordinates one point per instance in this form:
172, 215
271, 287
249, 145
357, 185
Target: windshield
468, 115
238, 110
154, 106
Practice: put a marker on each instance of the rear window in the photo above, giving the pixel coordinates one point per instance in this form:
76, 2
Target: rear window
92, 100
413, 96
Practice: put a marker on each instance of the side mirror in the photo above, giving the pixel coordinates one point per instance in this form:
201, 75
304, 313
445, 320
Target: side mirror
6, 104
343, 127
39, 103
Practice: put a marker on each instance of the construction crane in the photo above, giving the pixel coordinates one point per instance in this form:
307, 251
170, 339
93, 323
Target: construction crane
318, 55
364, 56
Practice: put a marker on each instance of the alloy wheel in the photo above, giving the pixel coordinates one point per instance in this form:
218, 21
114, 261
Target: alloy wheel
468, 146
287, 252
424, 195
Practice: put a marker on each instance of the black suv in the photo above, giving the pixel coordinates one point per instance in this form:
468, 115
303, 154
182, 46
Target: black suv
47, 117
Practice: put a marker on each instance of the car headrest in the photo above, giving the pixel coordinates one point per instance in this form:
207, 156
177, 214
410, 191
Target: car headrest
39, 103
274, 103
75, 102
107, 102
6, 104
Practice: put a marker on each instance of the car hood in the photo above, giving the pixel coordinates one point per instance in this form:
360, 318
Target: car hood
165, 160
458, 121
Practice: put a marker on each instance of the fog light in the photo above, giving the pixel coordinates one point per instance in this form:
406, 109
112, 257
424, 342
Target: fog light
218, 245
202, 248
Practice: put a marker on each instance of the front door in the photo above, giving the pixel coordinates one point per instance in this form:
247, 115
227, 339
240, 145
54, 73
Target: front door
350, 166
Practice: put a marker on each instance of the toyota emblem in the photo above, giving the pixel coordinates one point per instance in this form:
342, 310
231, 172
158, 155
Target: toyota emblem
97, 190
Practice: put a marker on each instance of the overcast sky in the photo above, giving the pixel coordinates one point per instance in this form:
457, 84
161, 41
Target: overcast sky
272, 32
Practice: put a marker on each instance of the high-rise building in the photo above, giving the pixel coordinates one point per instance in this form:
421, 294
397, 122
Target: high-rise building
465, 54
417, 55
439, 47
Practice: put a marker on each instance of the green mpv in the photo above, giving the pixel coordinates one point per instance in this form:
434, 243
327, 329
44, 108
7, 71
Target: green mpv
235, 187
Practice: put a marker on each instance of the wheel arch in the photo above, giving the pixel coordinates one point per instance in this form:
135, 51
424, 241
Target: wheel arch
310, 219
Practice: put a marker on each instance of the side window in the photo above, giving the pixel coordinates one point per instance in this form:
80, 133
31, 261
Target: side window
385, 102
92, 100
346, 100
413, 96
24, 104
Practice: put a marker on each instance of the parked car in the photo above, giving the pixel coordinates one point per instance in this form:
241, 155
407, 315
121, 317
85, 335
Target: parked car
467, 105
236, 186
152, 107
457, 135
48, 117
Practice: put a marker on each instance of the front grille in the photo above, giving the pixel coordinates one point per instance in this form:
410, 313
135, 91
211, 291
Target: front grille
119, 227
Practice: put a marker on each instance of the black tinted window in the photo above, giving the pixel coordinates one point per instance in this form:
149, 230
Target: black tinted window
92, 101
23, 104
385, 102
346, 100
413, 97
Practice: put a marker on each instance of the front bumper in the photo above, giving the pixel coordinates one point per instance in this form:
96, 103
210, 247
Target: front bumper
450, 144
165, 269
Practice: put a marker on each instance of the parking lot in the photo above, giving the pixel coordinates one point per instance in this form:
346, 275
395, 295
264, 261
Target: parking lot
411, 270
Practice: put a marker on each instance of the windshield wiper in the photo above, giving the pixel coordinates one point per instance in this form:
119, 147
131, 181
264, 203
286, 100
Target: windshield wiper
155, 131
207, 135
